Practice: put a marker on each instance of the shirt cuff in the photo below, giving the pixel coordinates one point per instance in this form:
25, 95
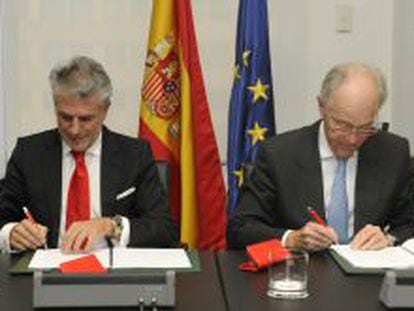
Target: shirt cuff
5, 236
285, 236
125, 234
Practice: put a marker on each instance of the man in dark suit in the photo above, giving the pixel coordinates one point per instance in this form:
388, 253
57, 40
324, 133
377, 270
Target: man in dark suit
81, 182
297, 170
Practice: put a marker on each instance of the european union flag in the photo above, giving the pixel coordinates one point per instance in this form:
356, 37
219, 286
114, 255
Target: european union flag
251, 116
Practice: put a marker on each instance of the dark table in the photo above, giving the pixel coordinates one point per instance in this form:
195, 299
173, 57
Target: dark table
194, 290
329, 288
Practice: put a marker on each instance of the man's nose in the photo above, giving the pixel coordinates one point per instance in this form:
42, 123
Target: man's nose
74, 126
354, 138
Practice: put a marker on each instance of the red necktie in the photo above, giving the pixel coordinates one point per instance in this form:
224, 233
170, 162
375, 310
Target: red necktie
78, 194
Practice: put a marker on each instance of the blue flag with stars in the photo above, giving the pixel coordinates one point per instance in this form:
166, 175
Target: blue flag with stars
251, 115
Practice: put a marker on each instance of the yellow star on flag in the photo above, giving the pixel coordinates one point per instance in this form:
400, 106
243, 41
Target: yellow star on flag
236, 72
259, 90
240, 176
245, 57
257, 133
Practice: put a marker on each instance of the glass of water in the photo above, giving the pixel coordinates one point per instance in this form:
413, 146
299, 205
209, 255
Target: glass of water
288, 279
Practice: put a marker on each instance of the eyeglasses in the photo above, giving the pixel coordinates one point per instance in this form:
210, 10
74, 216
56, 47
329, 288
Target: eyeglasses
348, 128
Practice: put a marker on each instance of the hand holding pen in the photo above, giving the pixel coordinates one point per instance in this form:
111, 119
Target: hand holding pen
318, 219
28, 234
29, 216
315, 235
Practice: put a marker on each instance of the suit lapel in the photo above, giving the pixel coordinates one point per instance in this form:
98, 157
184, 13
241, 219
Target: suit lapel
110, 168
367, 186
308, 161
53, 165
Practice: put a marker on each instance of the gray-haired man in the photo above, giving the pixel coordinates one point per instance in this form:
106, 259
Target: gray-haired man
121, 196
354, 176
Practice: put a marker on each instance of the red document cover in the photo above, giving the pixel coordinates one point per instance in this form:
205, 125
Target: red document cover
264, 254
86, 264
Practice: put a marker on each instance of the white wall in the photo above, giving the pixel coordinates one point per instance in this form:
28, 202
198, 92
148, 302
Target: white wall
403, 69
2, 102
43, 32
303, 38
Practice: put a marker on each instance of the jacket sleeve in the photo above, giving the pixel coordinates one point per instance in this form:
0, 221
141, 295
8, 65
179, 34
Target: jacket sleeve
13, 194
151, 224
255, 220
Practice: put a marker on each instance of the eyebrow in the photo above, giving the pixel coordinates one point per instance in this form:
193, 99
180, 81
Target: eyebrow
66, 115
368, 124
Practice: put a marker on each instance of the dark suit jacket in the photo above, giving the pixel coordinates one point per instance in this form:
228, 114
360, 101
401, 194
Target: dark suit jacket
34, 174
288, 178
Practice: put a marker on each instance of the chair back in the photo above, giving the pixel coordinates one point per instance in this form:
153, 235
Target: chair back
164, 172
412, 175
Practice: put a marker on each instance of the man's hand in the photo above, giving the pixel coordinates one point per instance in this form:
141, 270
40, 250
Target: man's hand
312, 237
369, 238
27, 235
82, 234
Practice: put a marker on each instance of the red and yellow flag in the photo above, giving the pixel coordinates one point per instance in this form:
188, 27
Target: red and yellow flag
175, 118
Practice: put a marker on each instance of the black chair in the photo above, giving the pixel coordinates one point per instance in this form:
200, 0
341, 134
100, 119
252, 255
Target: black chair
412, 175
412, 165
385, 126
164, 172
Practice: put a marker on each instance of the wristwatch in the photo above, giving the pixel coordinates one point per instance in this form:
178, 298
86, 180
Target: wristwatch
116, 233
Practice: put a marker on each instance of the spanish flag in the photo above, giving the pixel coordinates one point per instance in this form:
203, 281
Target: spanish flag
175, 119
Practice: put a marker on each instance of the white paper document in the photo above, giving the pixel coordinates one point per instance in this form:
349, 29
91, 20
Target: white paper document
150, 258
398, 257
122, 258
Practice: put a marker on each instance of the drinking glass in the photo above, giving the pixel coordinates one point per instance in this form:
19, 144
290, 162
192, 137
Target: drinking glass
288, 279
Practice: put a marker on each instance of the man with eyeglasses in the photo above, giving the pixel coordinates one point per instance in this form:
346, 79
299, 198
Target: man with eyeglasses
341, 171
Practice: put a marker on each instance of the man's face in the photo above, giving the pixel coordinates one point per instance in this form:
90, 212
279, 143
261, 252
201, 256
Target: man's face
79, 120
350, 119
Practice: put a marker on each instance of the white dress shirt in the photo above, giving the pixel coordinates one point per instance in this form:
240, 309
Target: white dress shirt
328, 165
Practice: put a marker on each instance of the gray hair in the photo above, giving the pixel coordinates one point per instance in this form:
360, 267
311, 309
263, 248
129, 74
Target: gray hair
81, 76
339, 74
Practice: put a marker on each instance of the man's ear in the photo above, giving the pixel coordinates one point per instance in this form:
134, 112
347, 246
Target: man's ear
321, 106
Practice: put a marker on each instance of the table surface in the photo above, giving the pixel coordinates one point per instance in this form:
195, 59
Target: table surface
220, 283
194, 290
329, 288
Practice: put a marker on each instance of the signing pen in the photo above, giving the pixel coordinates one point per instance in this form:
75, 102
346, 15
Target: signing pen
28, 214
315, 216
30, 217
111, 251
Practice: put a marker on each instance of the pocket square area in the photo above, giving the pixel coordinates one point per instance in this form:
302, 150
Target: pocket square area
125, 193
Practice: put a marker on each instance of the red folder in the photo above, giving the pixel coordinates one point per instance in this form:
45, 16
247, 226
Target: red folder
264, 254
86, 264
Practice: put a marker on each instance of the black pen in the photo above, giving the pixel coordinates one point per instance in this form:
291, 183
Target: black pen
111, 251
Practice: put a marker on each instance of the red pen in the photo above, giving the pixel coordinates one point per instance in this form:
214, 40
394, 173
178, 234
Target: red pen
29, 216
315, 216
